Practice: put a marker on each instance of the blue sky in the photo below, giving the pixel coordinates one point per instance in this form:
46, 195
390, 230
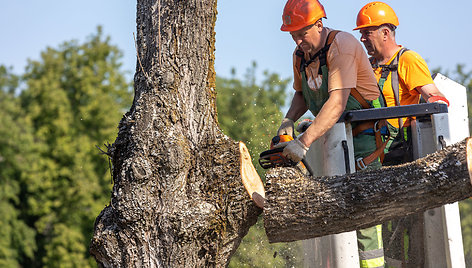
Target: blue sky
246, 31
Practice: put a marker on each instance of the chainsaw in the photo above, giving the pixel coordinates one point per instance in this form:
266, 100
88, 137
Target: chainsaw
274, 157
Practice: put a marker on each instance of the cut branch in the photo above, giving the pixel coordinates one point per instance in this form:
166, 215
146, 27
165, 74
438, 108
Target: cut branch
300, 207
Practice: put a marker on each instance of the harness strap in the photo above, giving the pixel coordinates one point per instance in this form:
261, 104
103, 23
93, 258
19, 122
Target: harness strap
396, 88
375, 125
324, 50
380, 143
393, 69
321, 54
362, 163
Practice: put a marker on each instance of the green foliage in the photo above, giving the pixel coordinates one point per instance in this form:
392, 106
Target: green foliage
54, 188
249, 112
255, 251
465, 207
252, 113
17, 239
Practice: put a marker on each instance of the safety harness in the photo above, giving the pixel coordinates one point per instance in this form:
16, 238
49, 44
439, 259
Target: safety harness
392, 69
375, 125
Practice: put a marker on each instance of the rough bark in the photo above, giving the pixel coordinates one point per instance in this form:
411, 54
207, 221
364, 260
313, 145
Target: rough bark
178, 199
299, 207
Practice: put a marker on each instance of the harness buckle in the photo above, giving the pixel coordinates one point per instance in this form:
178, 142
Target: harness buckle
376, 126
360, 163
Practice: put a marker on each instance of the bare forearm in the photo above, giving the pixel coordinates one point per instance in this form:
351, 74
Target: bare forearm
297, 108
327, 117
428, 91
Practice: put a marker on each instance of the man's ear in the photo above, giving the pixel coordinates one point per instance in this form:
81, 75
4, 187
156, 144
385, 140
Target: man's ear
319, 25
385, 32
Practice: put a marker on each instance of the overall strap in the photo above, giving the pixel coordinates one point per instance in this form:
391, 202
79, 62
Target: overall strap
323, 52
359, 98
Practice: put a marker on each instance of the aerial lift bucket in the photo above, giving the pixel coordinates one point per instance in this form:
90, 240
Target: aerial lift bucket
438, 236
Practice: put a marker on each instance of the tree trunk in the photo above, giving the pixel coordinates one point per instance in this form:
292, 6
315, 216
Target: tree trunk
299, 207
178, 198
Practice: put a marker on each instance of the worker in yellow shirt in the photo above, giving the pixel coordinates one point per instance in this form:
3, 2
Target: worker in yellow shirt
404, 77
402, 74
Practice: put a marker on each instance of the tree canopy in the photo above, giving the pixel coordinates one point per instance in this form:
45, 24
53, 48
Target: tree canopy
56, 181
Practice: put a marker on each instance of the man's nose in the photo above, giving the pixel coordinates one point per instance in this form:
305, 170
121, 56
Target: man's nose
298, 41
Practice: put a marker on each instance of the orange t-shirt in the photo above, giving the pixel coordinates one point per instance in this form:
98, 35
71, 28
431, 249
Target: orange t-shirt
413, 72
348, 66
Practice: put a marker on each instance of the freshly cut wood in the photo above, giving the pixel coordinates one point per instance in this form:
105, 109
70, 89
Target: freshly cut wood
251, 180
299, 207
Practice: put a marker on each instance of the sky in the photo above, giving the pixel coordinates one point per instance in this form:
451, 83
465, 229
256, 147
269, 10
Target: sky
246, 31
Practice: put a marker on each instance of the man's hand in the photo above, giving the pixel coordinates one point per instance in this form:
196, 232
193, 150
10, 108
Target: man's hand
295, 150
286, 128
303, 125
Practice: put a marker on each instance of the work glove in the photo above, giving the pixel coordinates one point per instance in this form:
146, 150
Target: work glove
438, 99
286, 128
295, 150
303, 125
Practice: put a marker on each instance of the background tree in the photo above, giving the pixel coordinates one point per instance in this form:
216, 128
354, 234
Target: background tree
23, 153
54, 181
465, 207
251, 112
17, 241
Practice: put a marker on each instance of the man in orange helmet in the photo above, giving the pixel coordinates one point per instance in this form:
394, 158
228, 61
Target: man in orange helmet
403, 76
331, 74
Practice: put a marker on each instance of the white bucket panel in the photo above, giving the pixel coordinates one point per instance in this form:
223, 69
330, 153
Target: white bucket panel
326, 157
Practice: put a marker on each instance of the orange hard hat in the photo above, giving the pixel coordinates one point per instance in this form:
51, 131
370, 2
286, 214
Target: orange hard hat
376, 14
301, 13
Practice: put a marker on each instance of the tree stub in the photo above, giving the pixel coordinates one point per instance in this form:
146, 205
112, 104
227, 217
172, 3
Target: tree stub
299, 207
251, 180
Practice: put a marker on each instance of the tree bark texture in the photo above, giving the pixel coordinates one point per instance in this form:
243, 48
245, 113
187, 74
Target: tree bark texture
178, 199
299, 207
